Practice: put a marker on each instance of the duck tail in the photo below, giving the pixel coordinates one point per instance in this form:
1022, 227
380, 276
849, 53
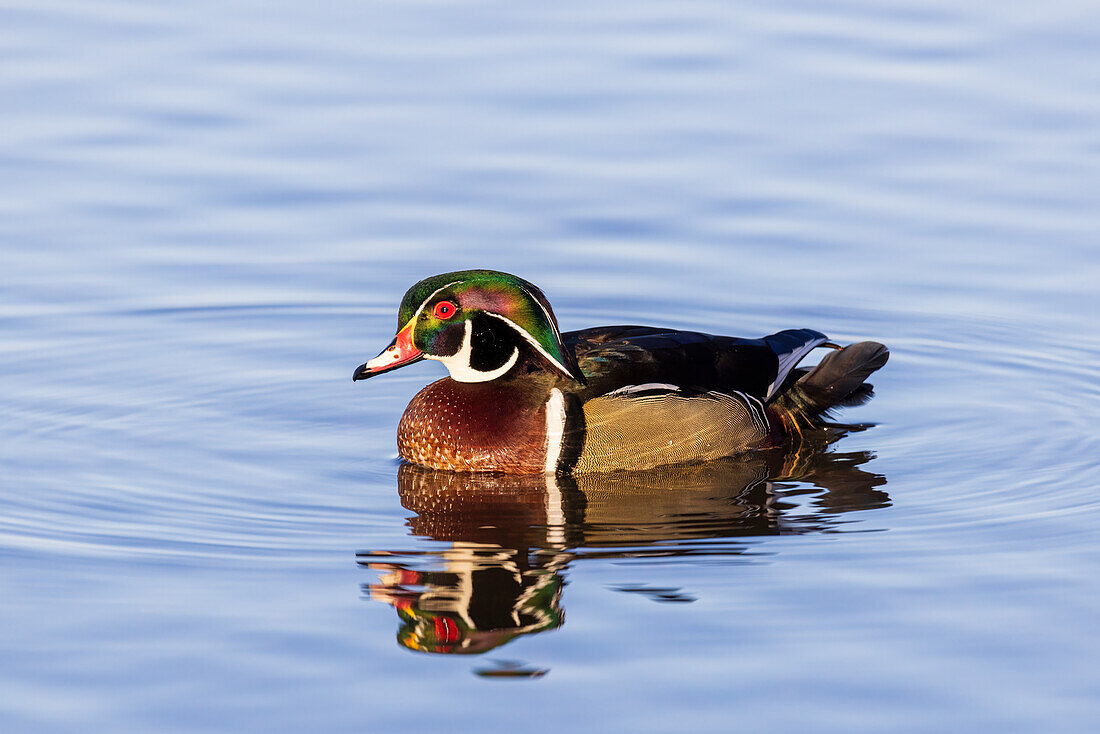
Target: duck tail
838, 381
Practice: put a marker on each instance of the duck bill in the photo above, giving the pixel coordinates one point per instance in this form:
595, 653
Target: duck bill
399, 353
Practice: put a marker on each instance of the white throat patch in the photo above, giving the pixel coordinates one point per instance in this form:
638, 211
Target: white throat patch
458, 364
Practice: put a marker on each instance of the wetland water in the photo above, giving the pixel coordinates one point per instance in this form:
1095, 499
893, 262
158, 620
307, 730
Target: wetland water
211, 211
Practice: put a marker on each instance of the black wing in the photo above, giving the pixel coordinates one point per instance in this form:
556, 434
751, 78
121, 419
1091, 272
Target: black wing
615, 356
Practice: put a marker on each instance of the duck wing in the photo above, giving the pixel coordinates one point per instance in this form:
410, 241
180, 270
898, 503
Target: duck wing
613, 357
645, 426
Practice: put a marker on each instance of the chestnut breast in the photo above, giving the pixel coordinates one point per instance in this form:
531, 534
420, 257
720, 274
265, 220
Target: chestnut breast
476, 426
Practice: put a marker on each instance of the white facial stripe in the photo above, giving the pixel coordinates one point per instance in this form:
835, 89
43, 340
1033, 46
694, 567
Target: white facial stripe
549, 318
388, 357
555, 429
533, 341
459, 364
433, 295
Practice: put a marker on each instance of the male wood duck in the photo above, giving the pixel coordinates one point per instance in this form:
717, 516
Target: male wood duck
523, 398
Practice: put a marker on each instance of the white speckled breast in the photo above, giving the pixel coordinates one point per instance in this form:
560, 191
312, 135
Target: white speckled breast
487, 426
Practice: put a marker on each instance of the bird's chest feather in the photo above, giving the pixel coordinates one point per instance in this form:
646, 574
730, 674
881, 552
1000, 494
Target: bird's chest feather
484, 426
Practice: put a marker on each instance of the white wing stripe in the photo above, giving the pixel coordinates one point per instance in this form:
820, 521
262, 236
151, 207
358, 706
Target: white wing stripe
789, 361
756, 410
630, 389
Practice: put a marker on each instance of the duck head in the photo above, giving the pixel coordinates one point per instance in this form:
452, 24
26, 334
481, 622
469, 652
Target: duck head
480, 324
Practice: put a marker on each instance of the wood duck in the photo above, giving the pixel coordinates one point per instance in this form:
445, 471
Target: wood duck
524, 398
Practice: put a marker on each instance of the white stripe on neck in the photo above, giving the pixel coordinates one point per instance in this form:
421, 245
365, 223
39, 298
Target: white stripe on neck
555, 429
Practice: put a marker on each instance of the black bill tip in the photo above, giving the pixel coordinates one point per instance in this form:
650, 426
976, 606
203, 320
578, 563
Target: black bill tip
362, 372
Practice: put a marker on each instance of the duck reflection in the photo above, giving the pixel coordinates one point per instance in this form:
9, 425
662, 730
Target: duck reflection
510, 537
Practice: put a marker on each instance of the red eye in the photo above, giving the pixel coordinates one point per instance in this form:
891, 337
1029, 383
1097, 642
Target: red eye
444, 310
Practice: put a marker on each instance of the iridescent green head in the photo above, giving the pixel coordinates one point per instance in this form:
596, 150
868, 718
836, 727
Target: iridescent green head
479, 324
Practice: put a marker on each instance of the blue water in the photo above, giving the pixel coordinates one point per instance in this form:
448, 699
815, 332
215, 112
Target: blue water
210, 210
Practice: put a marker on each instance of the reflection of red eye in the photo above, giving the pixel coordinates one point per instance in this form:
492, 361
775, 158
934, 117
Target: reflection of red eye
445, 629
444, 310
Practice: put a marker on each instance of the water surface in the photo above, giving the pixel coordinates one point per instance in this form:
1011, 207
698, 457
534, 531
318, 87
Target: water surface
211, 210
